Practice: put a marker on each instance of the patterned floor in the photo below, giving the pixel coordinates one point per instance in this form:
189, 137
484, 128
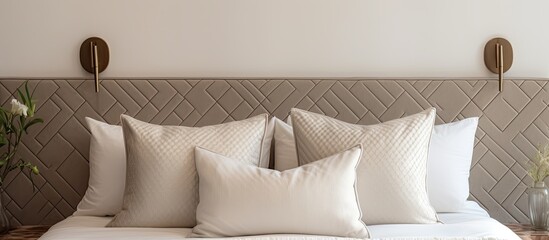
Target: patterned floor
524, 231
25, 233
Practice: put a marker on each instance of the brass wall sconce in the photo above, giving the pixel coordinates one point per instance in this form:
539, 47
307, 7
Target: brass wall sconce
498, 57
94, 57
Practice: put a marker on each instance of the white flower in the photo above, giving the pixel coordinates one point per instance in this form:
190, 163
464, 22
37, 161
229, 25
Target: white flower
18, 108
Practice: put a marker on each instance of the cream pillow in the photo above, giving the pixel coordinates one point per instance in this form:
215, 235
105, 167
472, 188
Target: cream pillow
285, 155
107, 160
448, 164
161, 180
107, 171
239, 199
392, 172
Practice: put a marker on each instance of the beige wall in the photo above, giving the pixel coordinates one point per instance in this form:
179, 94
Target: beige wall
274, 38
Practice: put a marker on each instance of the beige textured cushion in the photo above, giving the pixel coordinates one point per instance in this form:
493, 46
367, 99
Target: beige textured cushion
238, 199
161, 182
392, 172
107, 161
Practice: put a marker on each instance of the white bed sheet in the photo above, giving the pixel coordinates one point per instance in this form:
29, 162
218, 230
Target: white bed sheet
473, 223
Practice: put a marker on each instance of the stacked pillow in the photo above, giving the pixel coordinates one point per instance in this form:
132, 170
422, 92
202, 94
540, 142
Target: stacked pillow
165, 164
241, 200
107, 171
161, 179
392, 172
107, 159
448, 164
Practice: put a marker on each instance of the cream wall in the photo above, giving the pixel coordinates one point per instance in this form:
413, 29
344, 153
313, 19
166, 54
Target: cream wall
273, 38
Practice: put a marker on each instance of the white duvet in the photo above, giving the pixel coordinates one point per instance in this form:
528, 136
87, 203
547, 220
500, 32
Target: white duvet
473, 223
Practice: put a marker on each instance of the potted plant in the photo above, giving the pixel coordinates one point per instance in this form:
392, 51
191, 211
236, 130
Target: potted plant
14, 124
538, 194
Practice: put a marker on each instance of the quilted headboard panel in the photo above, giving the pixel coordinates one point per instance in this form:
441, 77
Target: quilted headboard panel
512, 123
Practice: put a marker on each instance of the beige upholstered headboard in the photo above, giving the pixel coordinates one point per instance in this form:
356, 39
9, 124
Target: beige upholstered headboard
512, 123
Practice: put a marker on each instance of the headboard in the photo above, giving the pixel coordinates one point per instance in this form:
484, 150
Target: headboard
512, 124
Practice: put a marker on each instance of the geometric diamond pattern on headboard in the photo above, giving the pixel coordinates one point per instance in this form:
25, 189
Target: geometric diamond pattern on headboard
512, 124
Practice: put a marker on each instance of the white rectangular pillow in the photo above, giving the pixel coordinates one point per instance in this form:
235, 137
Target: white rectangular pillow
448, 165
107, 159
239, 199
161, 179
392, 173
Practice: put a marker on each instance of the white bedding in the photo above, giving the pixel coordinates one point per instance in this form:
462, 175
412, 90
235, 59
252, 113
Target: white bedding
473, 223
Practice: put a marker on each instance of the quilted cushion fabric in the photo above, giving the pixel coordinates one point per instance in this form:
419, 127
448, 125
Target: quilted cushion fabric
161, 180
108, 168
448, 164
238, 199
392, 172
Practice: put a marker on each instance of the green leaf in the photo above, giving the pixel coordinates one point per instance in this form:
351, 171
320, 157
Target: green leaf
3, 118
33, 170
27, 91
21, 121
8, 128
31, 110
23, 98
3, 140
32, 182
33, 90
32, 122
30, 104
7, 123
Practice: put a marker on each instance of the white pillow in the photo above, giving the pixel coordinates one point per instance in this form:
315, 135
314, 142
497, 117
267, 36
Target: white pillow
161, 178
392, 173
238, 199
107, 161
285, 154
266, 145
448, 165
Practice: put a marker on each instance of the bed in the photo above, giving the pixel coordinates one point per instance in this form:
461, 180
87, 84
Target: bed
154, 105
472, 223
236, 195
